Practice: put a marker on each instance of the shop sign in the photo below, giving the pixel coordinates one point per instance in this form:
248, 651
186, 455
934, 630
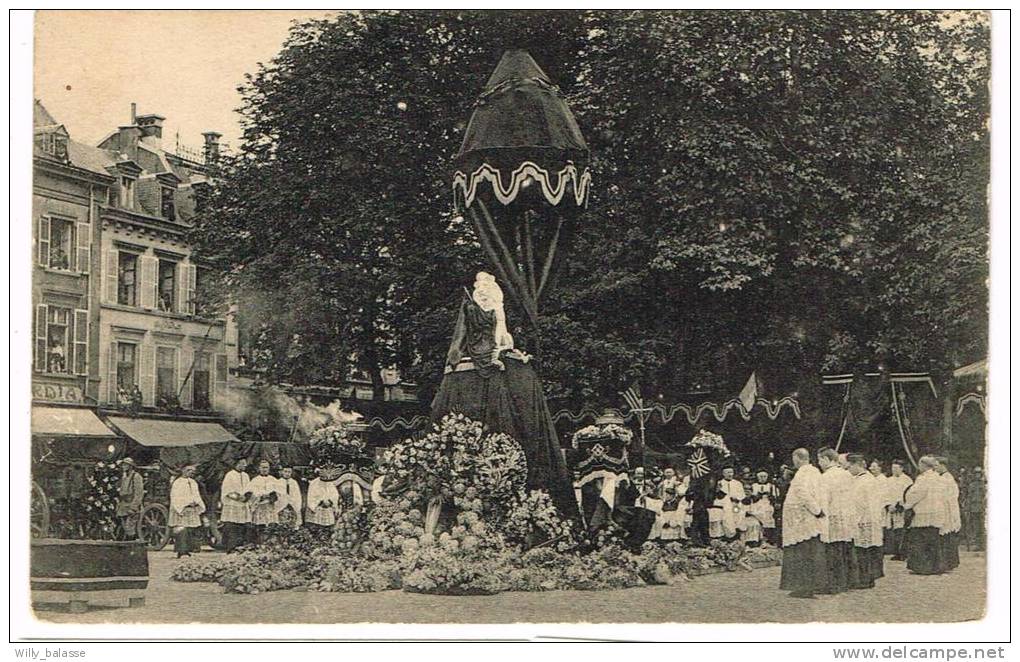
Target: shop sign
51, 392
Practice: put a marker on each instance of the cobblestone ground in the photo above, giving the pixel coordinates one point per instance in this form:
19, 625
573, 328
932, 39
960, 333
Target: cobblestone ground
743, 597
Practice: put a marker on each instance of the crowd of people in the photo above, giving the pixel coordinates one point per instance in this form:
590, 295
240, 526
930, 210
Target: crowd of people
843, 510
842, 517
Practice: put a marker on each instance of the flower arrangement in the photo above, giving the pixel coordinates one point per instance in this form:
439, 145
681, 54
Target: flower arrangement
393, 531
347, 533
335, 446
100, 500
457, 461
611, 431
534, 521
706, 439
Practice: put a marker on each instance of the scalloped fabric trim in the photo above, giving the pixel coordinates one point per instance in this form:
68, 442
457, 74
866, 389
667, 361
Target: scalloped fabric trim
692, 414
529, 170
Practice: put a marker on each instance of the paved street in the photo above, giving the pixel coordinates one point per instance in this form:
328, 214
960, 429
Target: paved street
726, 597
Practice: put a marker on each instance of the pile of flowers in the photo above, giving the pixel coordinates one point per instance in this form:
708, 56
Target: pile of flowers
335, 446
100, 500
706, 439
464, 524
534, 521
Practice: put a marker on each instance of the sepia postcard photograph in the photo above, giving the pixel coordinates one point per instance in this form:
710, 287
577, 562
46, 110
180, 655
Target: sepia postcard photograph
492, 317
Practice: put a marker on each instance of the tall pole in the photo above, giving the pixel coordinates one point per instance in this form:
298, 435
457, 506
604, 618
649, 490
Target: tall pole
641, 427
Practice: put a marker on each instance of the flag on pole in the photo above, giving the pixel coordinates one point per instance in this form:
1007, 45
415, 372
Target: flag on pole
749, 394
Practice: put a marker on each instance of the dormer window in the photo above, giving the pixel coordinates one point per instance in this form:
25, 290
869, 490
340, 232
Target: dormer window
127, 193
53, 143
166, 207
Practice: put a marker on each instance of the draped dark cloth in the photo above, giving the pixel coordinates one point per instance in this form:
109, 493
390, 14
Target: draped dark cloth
473, 337
635, 522
511, 401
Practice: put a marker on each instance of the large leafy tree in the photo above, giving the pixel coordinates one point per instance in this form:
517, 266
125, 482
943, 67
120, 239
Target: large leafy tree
334, 220
798, 190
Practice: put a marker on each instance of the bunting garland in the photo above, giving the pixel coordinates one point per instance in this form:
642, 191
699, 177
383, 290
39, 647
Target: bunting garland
693, 414
666, 414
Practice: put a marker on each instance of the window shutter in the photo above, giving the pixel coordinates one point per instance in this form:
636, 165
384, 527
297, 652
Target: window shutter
81, 342
186, 376
111, 277
220, 371
181, 276
41, 320
84, 240
44, 241
147, 373
192, 286
147, 288
111, 374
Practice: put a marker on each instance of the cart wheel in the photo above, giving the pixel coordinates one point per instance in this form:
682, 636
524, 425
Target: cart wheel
40, 512
153, 526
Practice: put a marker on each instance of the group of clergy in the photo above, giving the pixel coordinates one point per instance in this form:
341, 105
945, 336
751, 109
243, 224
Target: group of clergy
842, 516
250, 504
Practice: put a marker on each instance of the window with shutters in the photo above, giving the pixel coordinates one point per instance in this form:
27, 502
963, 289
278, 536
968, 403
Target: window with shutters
127, 366
61, 244
58, 340
200, 380
127, 278
166, 377
167, 287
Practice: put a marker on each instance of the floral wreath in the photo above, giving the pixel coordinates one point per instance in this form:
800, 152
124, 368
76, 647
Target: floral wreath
594, 433
706, 439
337, 447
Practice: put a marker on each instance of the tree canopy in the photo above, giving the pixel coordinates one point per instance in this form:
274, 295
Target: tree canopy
786, 191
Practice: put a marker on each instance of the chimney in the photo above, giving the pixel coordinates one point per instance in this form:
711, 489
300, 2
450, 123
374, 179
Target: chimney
152, 129
127, 140
134, 113
212, 146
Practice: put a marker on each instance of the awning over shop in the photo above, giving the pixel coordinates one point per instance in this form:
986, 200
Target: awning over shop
161, 433
68, 422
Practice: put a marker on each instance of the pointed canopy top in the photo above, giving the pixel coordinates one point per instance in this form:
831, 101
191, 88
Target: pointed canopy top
522, 130
516, 63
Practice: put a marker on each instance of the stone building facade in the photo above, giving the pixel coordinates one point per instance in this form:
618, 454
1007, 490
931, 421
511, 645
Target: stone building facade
120, 328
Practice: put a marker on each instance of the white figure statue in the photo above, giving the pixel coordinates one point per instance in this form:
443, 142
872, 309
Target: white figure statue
489, 297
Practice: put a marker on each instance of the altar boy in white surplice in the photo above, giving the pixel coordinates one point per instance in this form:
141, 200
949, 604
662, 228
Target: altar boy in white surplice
265, 499
323, 499
731, 504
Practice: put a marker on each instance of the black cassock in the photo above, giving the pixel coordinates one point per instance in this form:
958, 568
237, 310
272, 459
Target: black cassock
508, 400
